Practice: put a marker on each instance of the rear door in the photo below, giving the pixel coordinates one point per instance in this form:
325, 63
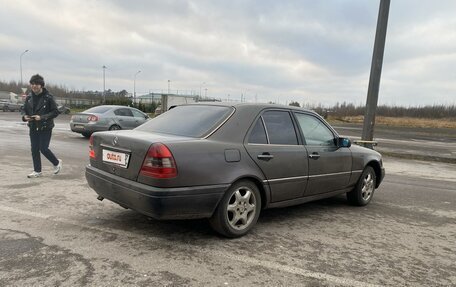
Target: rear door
273, 144
329, 165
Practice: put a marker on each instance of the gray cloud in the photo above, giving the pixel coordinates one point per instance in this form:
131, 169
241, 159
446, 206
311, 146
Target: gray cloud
305, 51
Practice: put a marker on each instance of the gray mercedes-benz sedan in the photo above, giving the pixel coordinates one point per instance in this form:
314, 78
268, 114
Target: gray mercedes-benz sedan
227, 162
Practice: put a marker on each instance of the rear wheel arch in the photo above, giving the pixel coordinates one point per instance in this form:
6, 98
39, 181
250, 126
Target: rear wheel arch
239, 209
114, 127
258, 184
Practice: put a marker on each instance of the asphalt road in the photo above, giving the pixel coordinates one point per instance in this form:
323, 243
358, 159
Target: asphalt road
53, 231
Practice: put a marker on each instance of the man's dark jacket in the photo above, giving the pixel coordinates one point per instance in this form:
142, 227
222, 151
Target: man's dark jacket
45, 107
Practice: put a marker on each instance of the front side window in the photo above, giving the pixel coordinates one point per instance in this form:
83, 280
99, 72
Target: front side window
138, 114
314, 130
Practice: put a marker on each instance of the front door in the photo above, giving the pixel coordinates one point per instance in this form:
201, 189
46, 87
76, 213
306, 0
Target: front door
140, 118
329, 166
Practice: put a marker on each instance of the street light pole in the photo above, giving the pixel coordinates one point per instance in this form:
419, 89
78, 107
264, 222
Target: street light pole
169, 82
201, 87
20, 62
104, 85
375, 73
134, 88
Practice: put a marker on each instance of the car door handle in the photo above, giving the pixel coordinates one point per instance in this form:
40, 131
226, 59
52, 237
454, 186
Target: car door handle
265, 156
314, 155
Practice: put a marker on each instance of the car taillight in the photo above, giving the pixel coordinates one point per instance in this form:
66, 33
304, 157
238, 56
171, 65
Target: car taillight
91, 151
92, 118
159, 162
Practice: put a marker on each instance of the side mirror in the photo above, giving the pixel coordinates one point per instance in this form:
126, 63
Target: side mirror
343, 142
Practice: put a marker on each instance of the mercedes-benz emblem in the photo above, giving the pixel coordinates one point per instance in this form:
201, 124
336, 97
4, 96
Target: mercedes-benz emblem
115, 141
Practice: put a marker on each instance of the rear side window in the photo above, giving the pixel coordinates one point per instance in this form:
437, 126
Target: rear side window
123, 112
191, 121
258, 134
279, 129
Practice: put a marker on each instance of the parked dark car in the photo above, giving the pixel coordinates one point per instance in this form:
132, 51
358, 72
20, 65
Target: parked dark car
8, 106
226, 162
107, 117
2, 103
63, 109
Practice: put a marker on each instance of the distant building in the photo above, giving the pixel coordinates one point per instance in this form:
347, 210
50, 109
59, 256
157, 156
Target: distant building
149, 98
159, 98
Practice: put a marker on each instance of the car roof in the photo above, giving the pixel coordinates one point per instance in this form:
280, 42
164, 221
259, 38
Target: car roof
111, 107
115, 106
256, 106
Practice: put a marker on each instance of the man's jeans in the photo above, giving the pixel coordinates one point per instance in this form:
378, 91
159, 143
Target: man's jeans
40, 143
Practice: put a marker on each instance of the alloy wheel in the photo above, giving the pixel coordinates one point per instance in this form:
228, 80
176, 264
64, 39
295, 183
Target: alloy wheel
368, 186
241, 208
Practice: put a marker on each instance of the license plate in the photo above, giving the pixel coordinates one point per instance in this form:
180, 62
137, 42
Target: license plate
79, 126
115, 157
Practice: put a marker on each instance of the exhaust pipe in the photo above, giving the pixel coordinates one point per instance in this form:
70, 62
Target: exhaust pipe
100, 198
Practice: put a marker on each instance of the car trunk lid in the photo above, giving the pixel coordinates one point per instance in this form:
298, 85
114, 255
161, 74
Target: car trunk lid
122, 152
82, 118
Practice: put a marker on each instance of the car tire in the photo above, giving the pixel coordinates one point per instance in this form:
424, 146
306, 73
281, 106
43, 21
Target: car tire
114, 128
238, 211
364, 190
86, 135
5, 109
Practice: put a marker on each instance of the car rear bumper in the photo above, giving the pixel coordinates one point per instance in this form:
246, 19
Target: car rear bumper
159, 203
86, 128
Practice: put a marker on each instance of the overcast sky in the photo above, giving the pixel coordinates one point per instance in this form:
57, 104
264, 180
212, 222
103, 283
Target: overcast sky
312, 52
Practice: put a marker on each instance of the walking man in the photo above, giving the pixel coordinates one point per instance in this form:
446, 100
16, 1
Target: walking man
40, 109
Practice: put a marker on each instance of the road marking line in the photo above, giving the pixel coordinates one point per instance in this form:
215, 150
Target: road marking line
25, 212
53, 218
244, 259
295, 270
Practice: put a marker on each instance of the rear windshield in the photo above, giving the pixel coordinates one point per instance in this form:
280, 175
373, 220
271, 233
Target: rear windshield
191, 121
98, 110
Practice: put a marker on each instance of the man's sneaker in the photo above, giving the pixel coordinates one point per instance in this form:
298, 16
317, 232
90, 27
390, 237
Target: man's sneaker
34, 174
58, 168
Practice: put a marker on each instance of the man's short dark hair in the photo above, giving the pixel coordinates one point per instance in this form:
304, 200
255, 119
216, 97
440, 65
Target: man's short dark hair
37, 80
